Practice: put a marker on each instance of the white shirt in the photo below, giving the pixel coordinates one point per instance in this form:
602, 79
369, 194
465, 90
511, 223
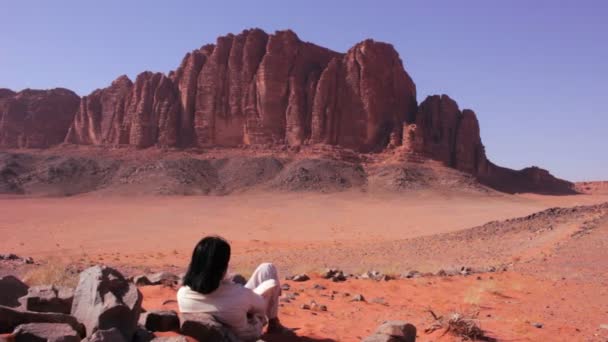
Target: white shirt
229, 303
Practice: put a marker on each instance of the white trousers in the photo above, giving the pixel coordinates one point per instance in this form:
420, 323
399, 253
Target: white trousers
265, 282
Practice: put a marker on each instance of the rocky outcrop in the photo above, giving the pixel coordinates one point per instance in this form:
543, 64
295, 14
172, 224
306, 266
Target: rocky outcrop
35, 118
269, 90
141, 114
443, 132
101, 114
104, 299
363, 99
257, 89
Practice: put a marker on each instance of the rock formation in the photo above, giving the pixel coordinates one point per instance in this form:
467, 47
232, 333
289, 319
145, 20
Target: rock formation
101, 114
272, 90
35, 118
445, 133
257, 89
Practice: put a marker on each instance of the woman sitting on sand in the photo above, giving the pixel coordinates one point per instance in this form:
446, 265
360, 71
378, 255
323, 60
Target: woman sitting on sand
245, 309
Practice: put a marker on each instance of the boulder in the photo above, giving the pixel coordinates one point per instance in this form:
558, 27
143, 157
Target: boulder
109, 335
49, 298
204, 327
393, 331
11, 289
10, 318
104, 299
161, 320
45, 332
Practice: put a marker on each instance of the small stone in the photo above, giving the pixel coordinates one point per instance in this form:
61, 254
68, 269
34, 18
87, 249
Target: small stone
285, 287
538, 325
284, 300
305, 307
358, 298
465, 271
380, 301
319, 287
393, 331
300, 277
413, 274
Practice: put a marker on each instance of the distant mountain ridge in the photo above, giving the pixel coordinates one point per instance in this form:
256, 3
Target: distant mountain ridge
259, 89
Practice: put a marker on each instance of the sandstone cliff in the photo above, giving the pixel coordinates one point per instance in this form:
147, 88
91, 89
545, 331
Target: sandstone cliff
35, 118
272, 90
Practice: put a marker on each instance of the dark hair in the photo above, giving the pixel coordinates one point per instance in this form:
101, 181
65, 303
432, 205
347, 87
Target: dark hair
208, 265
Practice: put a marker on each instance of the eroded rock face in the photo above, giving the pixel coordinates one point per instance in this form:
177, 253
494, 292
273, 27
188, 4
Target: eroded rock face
363, 99
257, 89
35, 118
101, 114
445, 133
269, 90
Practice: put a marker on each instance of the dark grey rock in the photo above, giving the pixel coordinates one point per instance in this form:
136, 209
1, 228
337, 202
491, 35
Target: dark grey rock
49, 298
45, 332
11, 289
393, 331
300, 277
104, 299
203, 327
161, 320
10, 318
143, 335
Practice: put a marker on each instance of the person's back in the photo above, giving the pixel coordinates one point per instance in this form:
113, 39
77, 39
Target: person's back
230, 304
244, 309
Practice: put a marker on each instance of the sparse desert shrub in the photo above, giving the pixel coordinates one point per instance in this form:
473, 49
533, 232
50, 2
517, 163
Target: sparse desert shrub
461, 325
52, 272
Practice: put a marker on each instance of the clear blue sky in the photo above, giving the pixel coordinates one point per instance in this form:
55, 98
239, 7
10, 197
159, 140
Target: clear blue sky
536, 72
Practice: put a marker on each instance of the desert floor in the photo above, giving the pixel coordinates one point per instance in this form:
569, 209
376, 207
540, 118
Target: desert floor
551, 278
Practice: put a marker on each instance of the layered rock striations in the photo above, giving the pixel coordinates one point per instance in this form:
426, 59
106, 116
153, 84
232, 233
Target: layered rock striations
257, 89
35, 118
265, 89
